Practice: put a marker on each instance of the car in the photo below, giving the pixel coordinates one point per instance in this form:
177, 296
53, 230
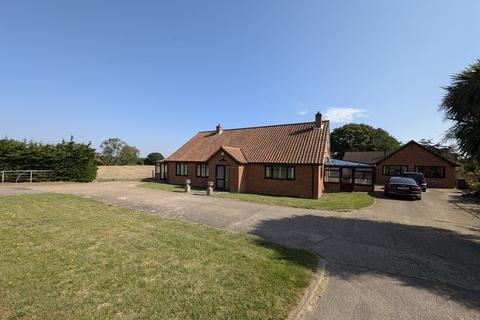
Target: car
418, 177
403, 186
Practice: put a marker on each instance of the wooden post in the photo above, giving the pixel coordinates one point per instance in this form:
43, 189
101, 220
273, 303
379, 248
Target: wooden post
3, 176
31, 176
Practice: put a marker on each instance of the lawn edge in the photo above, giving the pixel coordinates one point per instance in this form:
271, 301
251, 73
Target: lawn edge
310, 296
298, 207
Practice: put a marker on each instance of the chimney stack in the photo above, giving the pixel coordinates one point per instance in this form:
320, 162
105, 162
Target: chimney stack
219, 129
318, 120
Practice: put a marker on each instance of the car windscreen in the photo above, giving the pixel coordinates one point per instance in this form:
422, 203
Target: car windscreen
402, 180
416, 177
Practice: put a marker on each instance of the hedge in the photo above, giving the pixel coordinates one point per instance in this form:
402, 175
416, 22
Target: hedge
69, 161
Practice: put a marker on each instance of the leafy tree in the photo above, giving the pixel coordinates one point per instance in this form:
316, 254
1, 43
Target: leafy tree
461, 104
153, 157
128, 155
111, 149
471, 167
117, 152
361, 137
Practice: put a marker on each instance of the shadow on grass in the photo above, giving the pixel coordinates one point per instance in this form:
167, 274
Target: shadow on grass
297, 256
439, 261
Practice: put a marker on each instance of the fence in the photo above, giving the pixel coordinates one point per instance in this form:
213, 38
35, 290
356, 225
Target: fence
27, 175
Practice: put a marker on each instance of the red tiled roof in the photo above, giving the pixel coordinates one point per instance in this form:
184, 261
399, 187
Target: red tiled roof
375, 157
235, 153
299, 143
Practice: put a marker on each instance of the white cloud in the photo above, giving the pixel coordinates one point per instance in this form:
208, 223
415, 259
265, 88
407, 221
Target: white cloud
340, 115
302, 112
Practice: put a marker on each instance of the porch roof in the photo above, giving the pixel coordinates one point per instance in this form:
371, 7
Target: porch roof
345, 163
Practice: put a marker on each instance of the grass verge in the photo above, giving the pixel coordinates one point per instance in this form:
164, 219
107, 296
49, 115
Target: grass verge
69, 257
166, 186
329, 201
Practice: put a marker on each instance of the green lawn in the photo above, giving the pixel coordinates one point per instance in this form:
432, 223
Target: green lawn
167, 186
66, 257
330, 201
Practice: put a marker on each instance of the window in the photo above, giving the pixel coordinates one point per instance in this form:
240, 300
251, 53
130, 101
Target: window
431, 171
202, 170
332, 175
161, 171
181, 169
363, 176
394, 170
280, 172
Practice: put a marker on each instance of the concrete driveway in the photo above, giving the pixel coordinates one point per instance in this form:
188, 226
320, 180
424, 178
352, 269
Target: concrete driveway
399, 259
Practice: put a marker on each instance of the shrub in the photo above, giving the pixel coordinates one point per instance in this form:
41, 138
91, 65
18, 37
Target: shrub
69, 161
474, 187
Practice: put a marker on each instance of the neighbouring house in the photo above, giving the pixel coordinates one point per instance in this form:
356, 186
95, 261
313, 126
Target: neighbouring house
439, 171
285, 160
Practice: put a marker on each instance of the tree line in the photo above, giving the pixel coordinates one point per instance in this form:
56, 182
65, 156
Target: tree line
115, 152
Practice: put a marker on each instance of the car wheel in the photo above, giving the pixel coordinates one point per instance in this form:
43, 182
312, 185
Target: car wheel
424, 189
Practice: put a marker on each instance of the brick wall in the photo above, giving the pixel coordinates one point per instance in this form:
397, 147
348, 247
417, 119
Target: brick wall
192, 175
234, 171
335, 187
300, 187
251, 178
413, 155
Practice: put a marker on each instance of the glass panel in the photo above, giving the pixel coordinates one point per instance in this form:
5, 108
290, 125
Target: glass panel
226, 176
363, 176
276, 172
268, 172
205, 170
394, 170
291, 173
332, 175
431, 171
220, 172
164, 171
346, 175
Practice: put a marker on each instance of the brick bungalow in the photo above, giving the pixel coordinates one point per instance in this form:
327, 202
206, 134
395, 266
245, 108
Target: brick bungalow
439, 171
286, 159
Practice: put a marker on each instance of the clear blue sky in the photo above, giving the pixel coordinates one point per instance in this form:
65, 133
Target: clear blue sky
153, 73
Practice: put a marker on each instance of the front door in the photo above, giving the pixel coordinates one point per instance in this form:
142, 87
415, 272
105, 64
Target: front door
346, 180
221, 177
